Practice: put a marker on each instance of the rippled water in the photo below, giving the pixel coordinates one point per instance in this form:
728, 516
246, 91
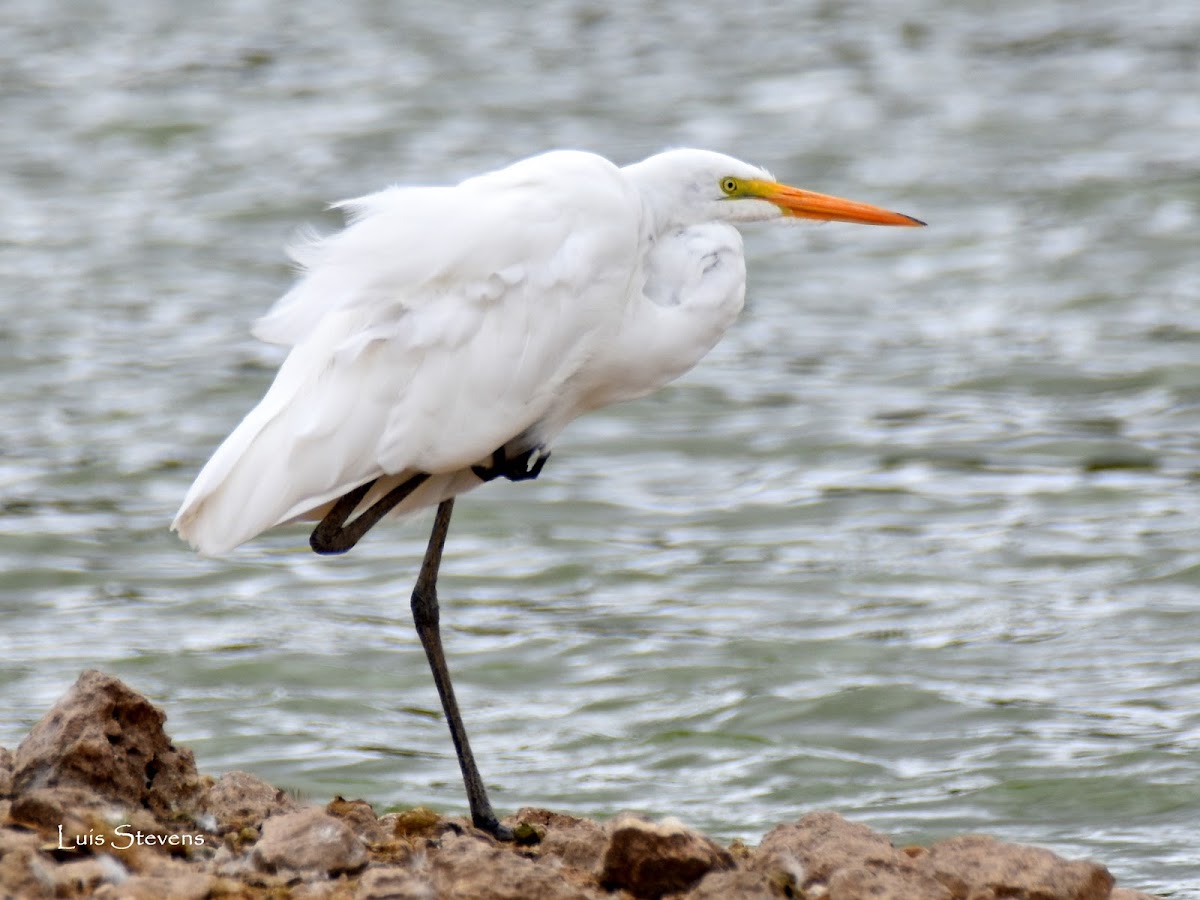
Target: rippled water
917, 542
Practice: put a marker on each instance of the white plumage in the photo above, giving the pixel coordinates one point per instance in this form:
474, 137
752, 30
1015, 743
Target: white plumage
444, 323
447, 335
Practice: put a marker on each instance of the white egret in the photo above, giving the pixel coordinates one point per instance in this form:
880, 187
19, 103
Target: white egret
448, 334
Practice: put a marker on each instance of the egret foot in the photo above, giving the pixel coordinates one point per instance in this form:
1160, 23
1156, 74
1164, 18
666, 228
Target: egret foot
522, 467
493, 827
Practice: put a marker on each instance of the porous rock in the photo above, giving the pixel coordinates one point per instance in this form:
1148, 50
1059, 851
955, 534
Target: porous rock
23, 871
309, 840
975, 864
576, 843
319, 890
742, 884
418, 822
177, 883
105, 737
650, 859
394, 883
83, 877
469, 865
885, 881
239, 800
47, 808
6, 772
812, 848
360, 816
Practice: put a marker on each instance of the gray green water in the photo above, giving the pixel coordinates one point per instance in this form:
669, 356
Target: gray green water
918, 542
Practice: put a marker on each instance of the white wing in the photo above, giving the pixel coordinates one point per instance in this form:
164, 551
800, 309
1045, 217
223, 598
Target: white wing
438, 326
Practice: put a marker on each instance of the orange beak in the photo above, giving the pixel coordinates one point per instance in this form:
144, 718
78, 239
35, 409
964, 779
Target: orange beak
811, 205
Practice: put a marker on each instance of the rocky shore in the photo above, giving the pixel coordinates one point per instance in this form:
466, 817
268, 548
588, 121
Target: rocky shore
97, 801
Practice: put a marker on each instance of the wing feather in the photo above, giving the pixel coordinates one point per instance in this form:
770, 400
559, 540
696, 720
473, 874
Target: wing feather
438, 326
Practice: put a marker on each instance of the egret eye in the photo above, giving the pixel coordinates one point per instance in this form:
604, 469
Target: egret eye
730, 186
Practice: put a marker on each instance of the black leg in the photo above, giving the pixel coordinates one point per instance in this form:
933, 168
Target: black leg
426, 618
333, 535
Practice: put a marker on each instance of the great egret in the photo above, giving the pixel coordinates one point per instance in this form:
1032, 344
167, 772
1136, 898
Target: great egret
448, 334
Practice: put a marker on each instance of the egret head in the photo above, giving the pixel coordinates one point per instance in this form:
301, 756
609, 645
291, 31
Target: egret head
687, 187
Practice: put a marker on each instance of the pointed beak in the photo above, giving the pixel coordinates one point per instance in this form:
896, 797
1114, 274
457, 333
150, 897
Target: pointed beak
811, 205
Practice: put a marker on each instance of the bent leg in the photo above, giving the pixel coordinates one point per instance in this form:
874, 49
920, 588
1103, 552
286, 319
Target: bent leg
333, 535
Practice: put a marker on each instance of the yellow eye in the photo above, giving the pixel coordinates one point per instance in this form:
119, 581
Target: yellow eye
730, 186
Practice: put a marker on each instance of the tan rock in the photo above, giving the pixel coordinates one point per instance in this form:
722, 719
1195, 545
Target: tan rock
73, 821
309, 840
742, 884
47, 808
360, 817
650, 859
6, 771
339, 889
14, 840
105, 737
184, 886
24, 872
82, 877
885, 881
576, 843
473, 865
238, 800
974, 864
811, 849
394, 883
419, 822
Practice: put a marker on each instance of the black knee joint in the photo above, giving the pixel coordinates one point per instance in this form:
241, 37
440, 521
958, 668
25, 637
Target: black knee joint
425, 610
